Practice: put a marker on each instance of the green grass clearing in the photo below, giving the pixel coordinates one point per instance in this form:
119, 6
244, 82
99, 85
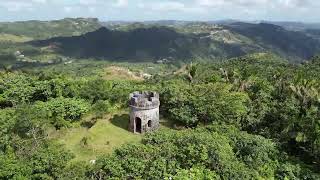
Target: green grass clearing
13, 38
106, 135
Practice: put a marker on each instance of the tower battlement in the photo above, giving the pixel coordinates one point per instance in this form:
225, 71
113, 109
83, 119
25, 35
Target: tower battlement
144, 100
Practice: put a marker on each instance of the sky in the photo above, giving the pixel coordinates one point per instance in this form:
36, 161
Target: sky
141, 10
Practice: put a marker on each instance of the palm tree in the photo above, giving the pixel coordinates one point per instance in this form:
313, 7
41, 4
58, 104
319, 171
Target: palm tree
306, 92
192, 71
236, 79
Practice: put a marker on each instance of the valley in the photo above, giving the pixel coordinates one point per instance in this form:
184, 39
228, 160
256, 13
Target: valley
63, 41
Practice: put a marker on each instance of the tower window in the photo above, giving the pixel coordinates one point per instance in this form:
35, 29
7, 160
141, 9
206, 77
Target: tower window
149, 123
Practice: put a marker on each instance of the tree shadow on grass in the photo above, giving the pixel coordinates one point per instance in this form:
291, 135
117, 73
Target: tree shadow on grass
171, 124
121, 121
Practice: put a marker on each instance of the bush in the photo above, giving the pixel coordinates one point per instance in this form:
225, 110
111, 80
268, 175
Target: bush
203, 151
100, 108
63, 111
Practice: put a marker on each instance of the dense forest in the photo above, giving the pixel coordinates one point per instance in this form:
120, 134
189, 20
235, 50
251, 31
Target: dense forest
140, 42
250, 117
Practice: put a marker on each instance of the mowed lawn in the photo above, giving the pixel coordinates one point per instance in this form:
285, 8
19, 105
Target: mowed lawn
106, 135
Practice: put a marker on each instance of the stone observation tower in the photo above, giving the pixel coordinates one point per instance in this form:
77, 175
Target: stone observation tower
144, 112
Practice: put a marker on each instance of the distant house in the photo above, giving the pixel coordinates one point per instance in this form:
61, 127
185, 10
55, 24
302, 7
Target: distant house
163, 61
146, 76
159, 62
68, 62
17, 53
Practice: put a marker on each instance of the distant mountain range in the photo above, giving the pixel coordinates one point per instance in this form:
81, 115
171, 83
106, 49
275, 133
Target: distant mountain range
295, 26
168, 39
289, 25
143, 44
48, 29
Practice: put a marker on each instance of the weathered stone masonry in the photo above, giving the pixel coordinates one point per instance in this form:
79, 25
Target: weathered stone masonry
144, 114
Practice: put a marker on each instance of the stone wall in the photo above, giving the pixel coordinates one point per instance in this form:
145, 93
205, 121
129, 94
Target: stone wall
144, 112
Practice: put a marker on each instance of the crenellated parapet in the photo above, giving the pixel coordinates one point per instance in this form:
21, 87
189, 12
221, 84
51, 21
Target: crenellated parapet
144, 100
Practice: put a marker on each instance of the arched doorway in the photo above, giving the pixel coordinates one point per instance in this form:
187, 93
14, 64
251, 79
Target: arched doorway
138, 125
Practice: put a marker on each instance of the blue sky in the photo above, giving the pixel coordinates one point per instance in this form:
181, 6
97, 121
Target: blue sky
138, 10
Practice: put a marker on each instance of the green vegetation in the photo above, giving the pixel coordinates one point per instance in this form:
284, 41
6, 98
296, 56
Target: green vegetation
14, 37
251, 117
49, 29
102, 138
64, 101
219, 152
192, 41
39, 43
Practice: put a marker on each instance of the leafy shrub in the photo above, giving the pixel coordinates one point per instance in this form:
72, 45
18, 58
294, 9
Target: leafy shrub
62, 111
196, 152
193, 104
100, 108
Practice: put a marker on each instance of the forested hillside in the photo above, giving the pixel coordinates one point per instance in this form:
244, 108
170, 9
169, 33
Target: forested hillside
48, 29
291, 44
250, 117
148, 44
151, 42
71, 39
14, 51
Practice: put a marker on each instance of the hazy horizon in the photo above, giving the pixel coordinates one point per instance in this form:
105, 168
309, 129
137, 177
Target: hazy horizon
133, 21
146, 10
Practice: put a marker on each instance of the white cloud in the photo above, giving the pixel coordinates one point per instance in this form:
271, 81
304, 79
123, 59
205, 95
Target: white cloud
260, 9
92, 9
169, 6
163, 6
13, 6
88, 2
19, 5
209, 3
165, 9
68, 9
121, 3
254, 3
39, 1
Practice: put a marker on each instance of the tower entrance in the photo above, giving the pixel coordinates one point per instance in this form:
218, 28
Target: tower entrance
138, 125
